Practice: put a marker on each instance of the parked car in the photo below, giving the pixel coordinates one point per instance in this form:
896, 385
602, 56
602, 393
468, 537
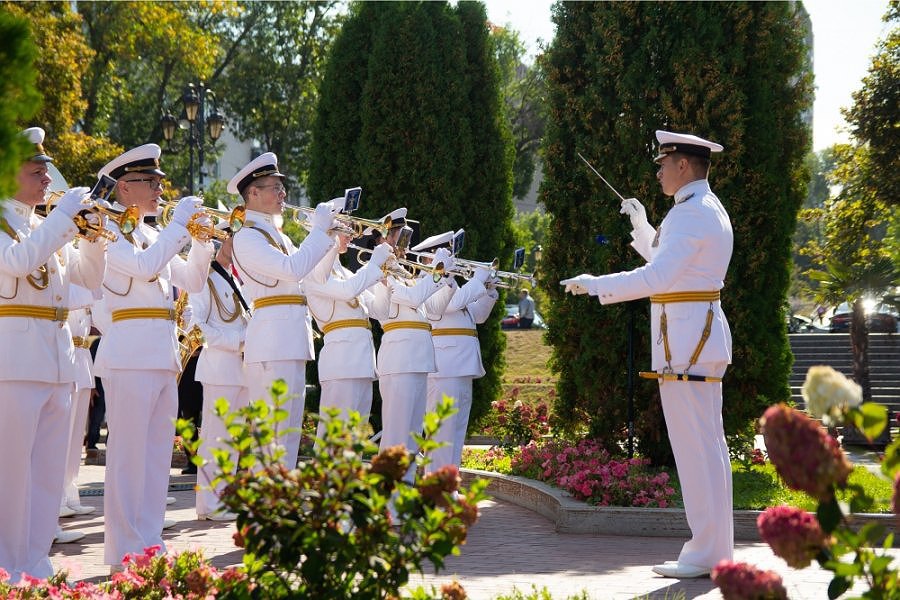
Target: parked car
880, 318
511, 320
799, 324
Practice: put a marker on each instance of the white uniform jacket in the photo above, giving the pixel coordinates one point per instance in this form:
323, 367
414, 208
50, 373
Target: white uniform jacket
222, 319
270, 265
80, 302
335, 293
689, 253
405, 350
459, 355
27, 246
143, 268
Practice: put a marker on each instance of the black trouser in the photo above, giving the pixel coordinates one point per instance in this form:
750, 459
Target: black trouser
525, 323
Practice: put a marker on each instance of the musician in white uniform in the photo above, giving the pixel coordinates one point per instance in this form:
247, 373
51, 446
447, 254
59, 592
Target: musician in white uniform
221, 313
456, 349
138, 358
406, 355
338, 300
279, 336
687, 258
37, 358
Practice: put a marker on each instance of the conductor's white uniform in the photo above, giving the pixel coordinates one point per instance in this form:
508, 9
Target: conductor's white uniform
220, 368
37, 375
338, 300
458, 359
689, 253
405, 357
138, 360
279, 335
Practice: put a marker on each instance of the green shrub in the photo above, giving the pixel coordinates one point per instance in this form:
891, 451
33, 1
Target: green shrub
336, 526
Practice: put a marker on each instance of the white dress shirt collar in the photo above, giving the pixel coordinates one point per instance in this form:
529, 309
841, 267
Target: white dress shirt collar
698, 187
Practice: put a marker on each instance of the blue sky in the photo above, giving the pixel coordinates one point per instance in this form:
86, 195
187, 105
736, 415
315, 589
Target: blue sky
845, 34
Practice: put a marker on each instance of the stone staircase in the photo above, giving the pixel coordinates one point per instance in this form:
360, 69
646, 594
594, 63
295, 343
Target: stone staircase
833, 349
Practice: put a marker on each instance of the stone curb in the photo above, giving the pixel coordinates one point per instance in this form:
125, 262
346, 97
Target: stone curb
572, 516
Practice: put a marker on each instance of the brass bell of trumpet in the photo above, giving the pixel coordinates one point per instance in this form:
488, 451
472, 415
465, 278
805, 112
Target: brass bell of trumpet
89, 228
235, 219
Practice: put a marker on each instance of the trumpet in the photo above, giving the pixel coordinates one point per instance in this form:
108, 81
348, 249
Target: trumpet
92, 229
402, 268
466, 269
348, 225
235, 219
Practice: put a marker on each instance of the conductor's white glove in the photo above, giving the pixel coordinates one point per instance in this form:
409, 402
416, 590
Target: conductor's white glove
323, 217
186, 208
443, 257
71, 202
575, 285
380, 254
482, 274
636, 212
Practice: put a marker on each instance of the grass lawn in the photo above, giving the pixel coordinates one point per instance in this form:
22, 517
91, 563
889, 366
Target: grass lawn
526, 366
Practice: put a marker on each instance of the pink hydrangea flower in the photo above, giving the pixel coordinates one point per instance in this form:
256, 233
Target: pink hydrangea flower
793, 534
740, 581
804, 455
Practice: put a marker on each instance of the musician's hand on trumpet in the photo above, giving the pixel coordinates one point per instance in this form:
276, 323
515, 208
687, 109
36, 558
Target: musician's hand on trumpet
73, 201
186, 209
484, 274
322, 218
380, 254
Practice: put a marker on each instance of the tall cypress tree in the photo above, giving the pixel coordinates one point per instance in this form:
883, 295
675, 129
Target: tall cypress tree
734, 73
410, 110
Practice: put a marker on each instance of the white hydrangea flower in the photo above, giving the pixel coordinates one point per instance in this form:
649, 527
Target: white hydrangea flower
828, 395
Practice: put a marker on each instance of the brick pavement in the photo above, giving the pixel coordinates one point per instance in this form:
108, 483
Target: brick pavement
509, 547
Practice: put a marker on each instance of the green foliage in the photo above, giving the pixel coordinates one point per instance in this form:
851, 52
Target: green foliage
79, 156
272, 83
335, 526
530, 231
875, 114
616, 72
410, 109
19, 98
535, 594
524, 91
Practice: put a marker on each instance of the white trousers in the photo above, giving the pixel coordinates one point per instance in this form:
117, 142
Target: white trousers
693, 412
33, 435
141, 407
259, 379
81, 401
453, 431
345, 395
403, 398
212, 435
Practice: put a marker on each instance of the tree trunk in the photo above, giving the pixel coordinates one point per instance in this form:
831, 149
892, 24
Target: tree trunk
859, 344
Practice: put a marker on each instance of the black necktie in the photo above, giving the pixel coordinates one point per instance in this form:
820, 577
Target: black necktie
227, 276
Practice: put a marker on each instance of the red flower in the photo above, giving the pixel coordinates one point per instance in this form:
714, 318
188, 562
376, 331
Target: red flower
453, 591
803, 453
437, 485
793, 534
392, 463
895, 499
740, 581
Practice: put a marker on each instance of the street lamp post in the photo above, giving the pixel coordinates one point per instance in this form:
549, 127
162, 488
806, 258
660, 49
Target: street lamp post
198, 119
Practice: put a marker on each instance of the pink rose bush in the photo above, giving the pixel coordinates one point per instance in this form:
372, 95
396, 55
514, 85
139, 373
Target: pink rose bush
793, 534
515, 423
740, 581
588, 472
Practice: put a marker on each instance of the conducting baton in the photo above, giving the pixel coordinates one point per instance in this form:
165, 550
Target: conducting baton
597, 173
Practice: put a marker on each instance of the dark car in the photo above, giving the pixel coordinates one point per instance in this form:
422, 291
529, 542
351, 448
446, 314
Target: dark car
880, 318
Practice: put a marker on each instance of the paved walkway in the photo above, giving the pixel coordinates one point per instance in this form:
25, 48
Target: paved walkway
510, 547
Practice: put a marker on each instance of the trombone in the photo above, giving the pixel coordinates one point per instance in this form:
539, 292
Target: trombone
348, 225
92, 229
235, 219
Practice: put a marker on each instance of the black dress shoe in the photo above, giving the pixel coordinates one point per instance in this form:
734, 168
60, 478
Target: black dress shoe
191, 469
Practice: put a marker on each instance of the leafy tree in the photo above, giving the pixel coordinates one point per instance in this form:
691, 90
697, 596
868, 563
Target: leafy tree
853, 261
524, 92
410, 109
531, 231
615, 73
819, 165
874, 117
18, 97
272, 83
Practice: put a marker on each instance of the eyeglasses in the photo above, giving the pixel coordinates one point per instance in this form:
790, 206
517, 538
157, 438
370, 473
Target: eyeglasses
155, 184
277, 186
